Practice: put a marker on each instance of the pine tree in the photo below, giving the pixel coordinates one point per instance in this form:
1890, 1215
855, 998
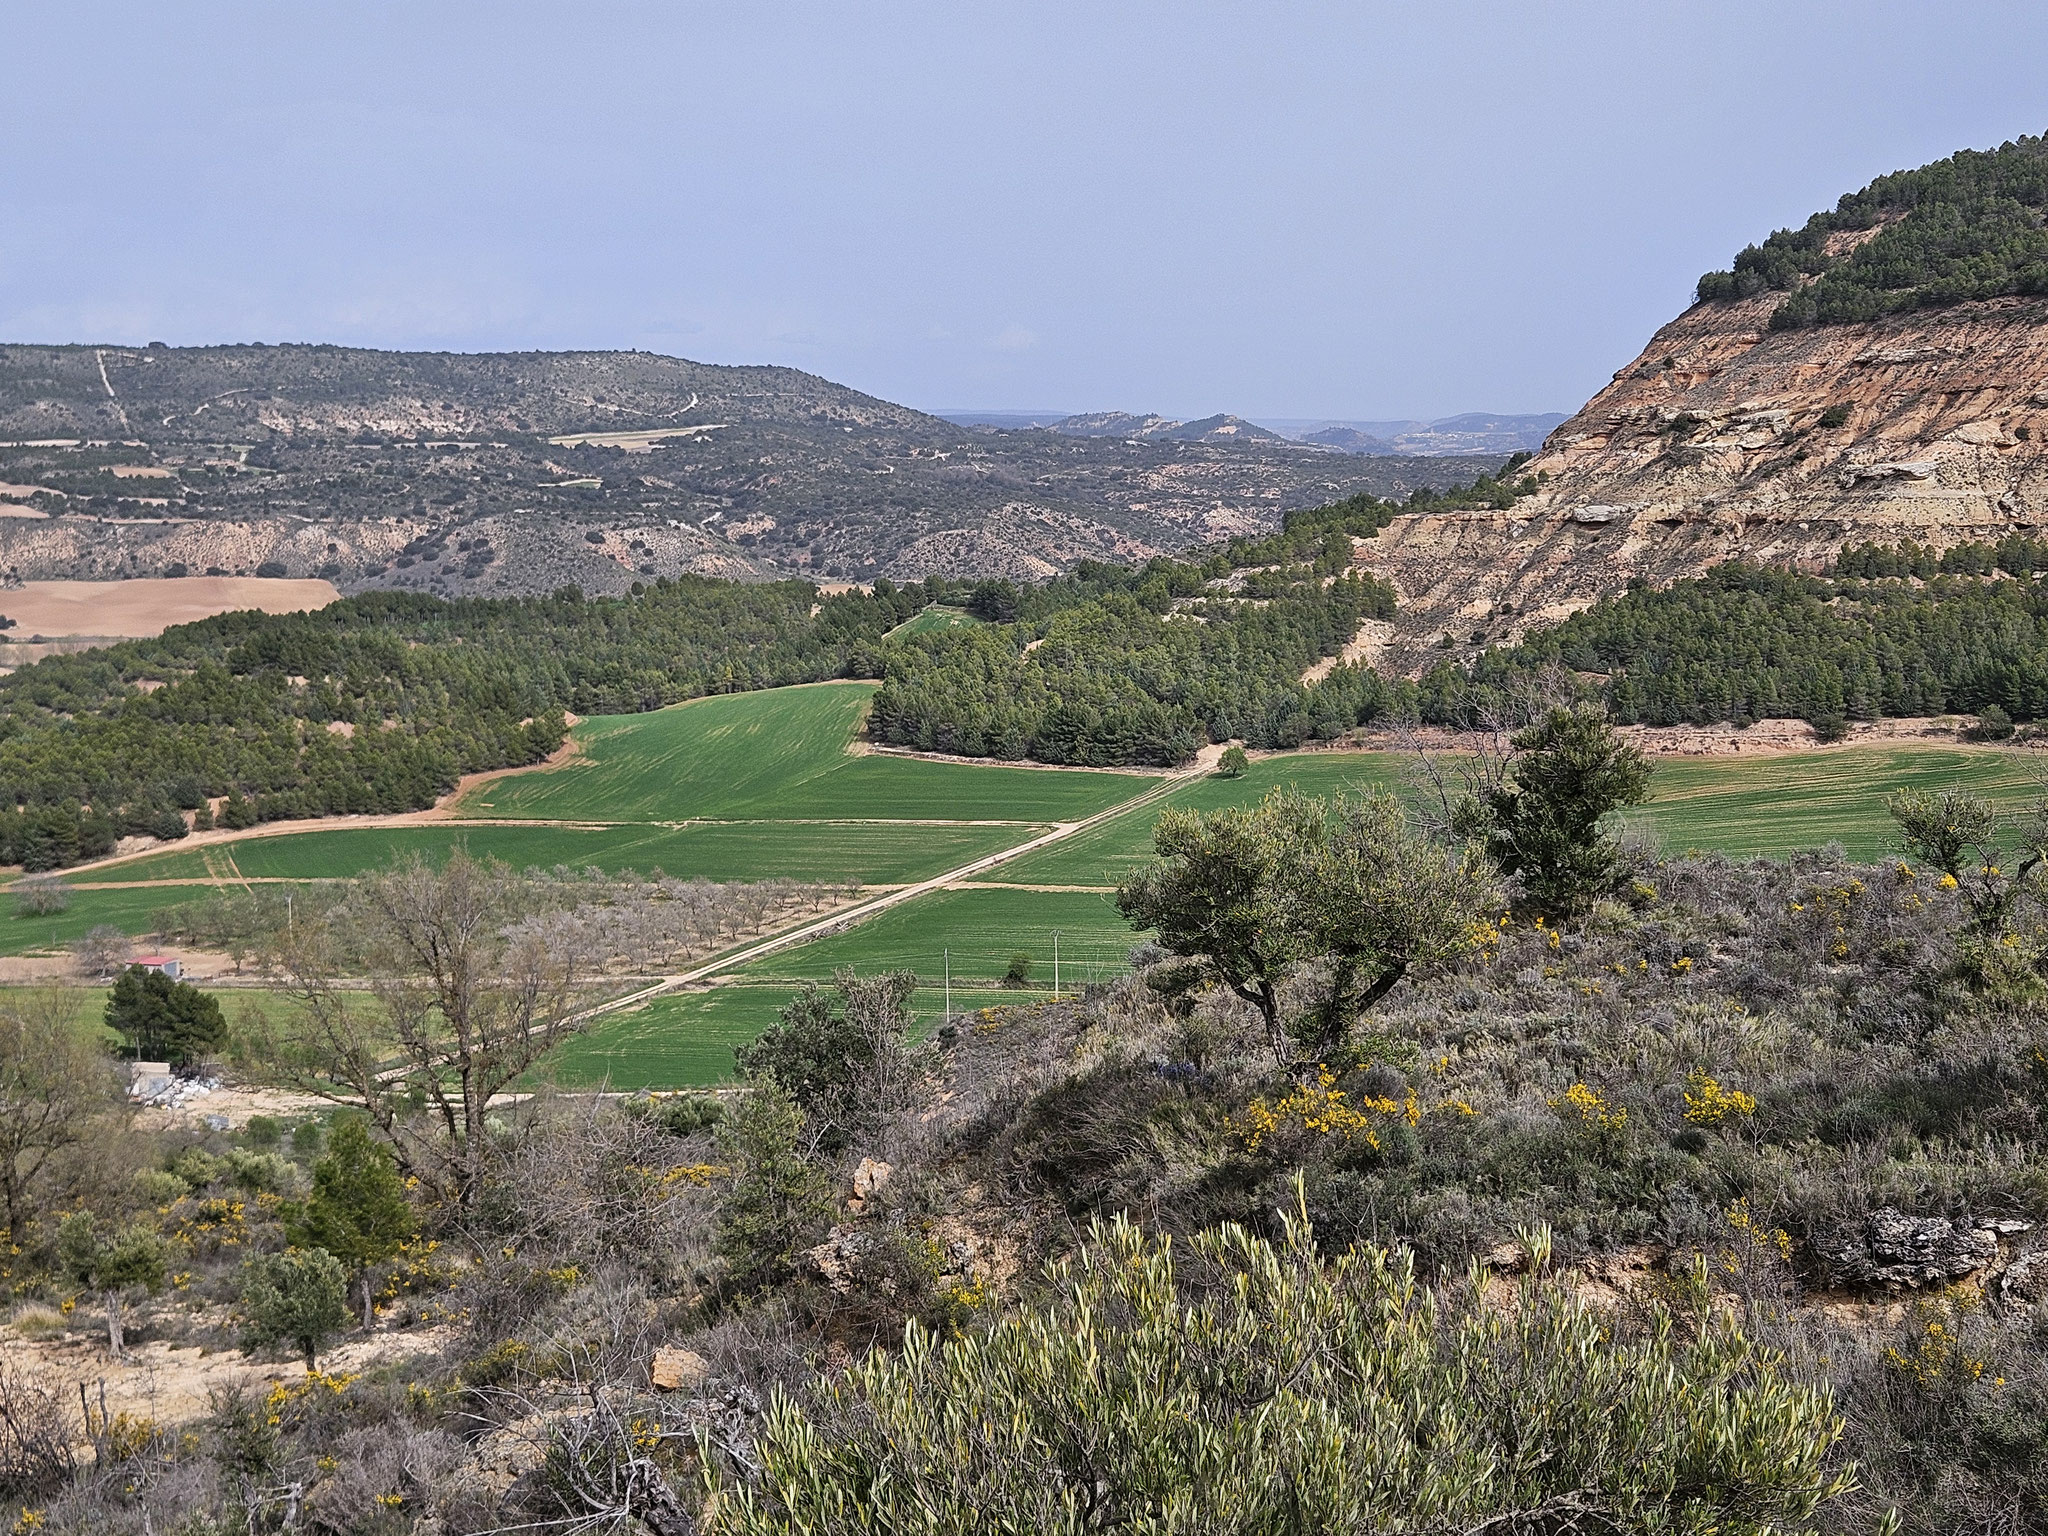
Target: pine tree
358, 1210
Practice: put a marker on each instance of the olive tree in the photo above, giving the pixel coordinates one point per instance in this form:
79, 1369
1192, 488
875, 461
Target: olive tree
1347, 886
1960, 834
117, 1264
1218, 892
297, 1297
1378, 903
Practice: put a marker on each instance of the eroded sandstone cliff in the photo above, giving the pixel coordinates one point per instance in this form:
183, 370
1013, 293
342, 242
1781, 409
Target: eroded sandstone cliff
1727, 440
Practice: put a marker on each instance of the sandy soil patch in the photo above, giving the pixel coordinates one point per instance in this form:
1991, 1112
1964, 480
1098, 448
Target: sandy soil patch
142, 472
235, 1105
148, 606
172, 1383
56, 965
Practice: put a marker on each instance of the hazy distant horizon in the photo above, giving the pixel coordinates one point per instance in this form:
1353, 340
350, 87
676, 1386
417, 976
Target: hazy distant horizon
1340, 211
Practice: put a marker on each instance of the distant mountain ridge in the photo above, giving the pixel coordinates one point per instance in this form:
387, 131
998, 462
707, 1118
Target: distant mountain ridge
461, 473
1470, 432
1474, 432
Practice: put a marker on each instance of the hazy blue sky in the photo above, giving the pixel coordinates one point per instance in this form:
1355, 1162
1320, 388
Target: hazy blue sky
1286, 210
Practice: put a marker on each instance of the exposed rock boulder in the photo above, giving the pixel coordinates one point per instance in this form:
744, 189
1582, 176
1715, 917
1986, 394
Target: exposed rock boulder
675, 1369
1892, 1251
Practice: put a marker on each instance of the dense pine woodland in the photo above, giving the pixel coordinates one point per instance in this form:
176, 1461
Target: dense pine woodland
1892, 631
1968, 227
381, 702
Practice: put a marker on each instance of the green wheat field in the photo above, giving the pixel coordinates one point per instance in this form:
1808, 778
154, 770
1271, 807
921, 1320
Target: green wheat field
763, 785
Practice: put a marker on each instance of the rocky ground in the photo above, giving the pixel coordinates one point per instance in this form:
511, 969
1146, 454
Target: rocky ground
1726, 440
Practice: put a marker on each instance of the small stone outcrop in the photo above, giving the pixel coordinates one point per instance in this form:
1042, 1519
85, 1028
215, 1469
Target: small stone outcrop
2025, 1280
675, 1369
1892, 1251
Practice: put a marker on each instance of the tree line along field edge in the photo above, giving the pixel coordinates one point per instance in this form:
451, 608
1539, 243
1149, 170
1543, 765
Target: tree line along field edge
776, 754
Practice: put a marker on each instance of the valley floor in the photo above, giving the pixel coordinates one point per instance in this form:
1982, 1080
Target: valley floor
951, 868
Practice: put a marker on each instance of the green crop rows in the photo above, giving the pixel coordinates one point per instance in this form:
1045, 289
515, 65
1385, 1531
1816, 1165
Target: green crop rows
751, 786
876, 853
778, 756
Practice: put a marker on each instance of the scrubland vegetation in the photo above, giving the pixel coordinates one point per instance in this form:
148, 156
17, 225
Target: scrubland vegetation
1472, 1170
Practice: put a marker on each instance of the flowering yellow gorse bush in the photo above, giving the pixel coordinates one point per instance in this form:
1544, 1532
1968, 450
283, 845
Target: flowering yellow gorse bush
1708, 1103
1580, 1106
1938, 1354
1754, 1232
1321, 1109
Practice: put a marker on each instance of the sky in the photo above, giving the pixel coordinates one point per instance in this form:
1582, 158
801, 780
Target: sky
1284, 210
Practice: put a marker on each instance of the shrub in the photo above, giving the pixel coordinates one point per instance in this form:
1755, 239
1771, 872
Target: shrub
1992, 724
679, 1114
1830, 725
1834, 416
840, 1055
777, 1201
1019, 973
296, 1297
1574, 771
1286, 1394
357, 1211
41, 896
272, 570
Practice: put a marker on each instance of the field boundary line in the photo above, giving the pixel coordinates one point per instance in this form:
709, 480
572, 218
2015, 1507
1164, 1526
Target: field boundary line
847, 917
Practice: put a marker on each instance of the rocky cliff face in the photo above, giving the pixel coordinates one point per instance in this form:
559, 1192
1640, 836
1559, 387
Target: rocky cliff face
1727, 440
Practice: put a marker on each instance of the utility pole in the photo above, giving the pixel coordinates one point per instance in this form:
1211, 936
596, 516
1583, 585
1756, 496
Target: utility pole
949, 985
1055, 965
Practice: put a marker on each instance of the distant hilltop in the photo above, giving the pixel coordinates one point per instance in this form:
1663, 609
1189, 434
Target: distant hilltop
1475, 432
497, 473
1878, 375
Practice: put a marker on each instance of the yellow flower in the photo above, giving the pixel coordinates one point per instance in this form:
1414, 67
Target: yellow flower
1708, 1103
1947, 882
1581, 1106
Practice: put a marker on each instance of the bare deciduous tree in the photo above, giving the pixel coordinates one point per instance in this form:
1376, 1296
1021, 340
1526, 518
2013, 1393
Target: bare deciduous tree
1454, 779
100, 952
55, 1086
458, 1007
